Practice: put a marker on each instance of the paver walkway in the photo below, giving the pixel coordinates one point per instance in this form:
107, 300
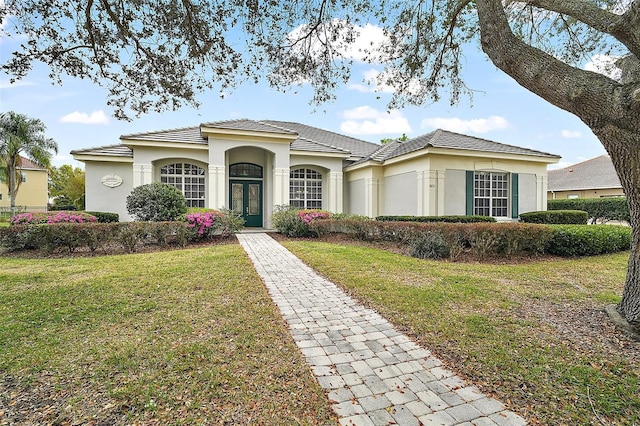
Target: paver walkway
373, 374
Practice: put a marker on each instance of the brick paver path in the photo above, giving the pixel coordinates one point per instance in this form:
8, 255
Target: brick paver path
373, 374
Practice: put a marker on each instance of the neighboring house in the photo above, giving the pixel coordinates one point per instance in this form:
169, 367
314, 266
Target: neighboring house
33, 194
253, 166
593, 178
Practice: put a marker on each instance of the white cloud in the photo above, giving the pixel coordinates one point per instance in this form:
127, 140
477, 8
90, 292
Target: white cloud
371, 83
351, 41
365, 120
604, 64
96, 117
571, 134
6, 84
478, 125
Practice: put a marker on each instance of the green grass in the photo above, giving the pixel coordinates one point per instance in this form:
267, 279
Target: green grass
494, 324
180, 337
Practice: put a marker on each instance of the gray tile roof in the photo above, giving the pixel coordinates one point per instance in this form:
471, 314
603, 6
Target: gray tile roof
445, 139
358, 148
107, 151
596, 173
186, 135
248, 125
313, 139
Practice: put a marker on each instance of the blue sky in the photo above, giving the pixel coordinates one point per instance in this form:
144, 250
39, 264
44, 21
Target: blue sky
77, 115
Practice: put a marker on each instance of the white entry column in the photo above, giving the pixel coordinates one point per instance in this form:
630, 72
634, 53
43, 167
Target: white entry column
142, 174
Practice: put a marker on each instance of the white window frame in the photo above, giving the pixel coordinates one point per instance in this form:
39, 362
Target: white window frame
191, 181
491, 194
306, 188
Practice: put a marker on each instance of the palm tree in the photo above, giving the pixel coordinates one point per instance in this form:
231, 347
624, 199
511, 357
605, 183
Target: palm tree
22, 136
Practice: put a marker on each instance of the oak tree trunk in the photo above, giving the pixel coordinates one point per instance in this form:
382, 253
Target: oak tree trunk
624, 150
610, 108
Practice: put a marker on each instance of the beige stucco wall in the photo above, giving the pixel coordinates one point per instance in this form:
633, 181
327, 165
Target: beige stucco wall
102, 198
357, 201
32, 194
587, 193
399, 194
455, 188
439, 183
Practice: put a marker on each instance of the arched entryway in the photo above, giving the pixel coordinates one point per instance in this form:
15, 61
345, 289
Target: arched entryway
246, 192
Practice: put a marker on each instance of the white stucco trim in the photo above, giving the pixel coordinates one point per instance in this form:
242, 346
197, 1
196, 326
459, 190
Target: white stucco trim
335, 193
217, 186
102, 158
471, 153
280, 186
319, 154
164, 144
142, 174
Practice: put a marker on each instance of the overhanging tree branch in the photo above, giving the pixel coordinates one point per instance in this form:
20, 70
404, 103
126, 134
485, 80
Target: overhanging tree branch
578, 91
622, 27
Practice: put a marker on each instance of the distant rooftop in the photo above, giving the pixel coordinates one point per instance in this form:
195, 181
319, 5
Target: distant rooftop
596, 173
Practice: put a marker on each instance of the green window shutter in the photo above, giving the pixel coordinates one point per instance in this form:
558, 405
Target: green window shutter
514, 196
469, 186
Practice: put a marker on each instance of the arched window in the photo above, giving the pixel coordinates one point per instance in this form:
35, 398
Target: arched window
305, 188
188, 178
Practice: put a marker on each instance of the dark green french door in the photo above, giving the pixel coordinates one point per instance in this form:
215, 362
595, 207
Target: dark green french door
246, 199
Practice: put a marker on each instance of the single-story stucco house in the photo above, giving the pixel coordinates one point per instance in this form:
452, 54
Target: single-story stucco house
593, 178
252, 166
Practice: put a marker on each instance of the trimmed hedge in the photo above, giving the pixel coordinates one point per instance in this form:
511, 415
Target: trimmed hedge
605, 209
445, 219
481, 239
109, 237
591, 240
437, 240
105, 217
560, 217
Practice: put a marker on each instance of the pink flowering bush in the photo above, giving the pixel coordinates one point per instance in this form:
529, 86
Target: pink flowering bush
203, 222
308, 216
297, 223
213, 222
33, 218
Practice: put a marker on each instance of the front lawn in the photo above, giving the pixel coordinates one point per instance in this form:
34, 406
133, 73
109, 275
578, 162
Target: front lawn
176, 337
532, 334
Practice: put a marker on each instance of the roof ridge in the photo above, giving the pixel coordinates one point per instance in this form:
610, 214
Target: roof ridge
499, 143
160, 131
115, 145
585, 161
389, 147
325, 130
323, 144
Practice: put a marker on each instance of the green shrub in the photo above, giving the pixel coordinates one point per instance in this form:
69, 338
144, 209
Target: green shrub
131, 235
589, 240
294, 222
445, 219
209, 223
481, 239
605, 209
430, 245
156, 202
557, 217
105, 217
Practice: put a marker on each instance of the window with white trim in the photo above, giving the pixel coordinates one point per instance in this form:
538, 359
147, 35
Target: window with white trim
305, 188
490, 194
188, 178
